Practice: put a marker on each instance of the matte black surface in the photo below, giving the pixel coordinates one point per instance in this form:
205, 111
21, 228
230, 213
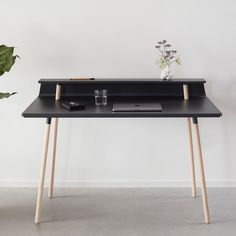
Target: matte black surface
123, 80
172, 107
195, 121
48, 120
122, 88
168, 93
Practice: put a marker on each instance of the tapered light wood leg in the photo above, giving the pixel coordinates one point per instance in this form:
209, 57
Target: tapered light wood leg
192, 158
42, 172
53, 161
51, 183
186, 97
54, 147
202, 174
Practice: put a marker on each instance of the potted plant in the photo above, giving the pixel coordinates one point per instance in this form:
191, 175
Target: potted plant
7, 60
166, 58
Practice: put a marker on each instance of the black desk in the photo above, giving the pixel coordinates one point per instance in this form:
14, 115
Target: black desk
179, 98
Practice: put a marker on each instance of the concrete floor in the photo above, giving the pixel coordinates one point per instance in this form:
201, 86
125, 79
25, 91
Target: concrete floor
123, 212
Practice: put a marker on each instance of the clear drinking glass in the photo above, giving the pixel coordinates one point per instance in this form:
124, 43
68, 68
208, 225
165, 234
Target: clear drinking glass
100, 97
104, 97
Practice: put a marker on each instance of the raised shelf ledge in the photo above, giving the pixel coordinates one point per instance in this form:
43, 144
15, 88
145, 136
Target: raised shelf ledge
128, 80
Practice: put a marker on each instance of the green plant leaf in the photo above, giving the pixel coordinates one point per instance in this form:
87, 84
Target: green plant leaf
6, 95
9, 63
4, 49
7, 59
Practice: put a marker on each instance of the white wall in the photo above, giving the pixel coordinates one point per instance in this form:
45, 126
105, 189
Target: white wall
116, 38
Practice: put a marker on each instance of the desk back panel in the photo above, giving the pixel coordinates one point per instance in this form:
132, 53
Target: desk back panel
123, 88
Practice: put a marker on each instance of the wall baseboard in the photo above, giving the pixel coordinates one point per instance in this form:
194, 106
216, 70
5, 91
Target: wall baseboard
117, 183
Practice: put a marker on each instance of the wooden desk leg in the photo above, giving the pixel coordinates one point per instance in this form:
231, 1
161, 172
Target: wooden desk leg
54, 147
51, 183
203, 181
186, 97
42, 172
192, 158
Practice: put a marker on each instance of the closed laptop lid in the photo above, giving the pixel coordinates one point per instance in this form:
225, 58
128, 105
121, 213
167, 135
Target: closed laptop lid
137, 107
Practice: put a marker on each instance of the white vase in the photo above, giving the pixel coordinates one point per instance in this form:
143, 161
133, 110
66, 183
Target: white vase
166, 73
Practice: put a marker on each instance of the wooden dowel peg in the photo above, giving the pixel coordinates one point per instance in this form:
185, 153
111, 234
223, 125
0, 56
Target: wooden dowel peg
186, 92
58, 92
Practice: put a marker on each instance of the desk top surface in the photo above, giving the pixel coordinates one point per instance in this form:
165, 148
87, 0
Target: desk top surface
171, 107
